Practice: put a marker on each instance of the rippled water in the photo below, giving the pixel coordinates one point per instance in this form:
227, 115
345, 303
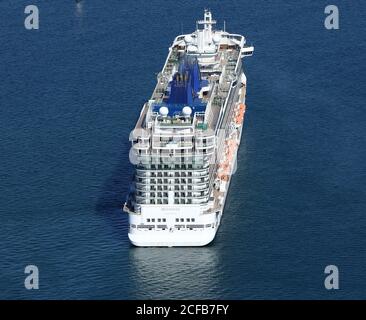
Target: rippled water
73, 90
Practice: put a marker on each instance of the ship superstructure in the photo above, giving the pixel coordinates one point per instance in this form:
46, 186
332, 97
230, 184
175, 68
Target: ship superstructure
185, 141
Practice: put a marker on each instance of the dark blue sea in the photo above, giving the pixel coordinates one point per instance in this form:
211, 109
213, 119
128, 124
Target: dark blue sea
71, 92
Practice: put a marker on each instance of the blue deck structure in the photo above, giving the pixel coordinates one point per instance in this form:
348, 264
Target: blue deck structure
183, 89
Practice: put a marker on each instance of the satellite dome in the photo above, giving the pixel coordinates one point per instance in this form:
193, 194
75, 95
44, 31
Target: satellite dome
164, 111
216, 38
188, 38
187, 111
192, 48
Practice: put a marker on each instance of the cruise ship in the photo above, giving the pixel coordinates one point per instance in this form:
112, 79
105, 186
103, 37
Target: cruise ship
185, 142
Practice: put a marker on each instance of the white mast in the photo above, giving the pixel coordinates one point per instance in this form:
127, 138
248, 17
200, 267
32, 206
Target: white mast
205, 35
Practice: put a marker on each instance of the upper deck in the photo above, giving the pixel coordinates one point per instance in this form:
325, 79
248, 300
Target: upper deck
196, 79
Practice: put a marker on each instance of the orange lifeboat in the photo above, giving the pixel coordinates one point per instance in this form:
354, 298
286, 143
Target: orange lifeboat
240, 114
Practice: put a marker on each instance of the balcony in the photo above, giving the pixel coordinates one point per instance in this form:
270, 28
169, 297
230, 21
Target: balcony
141, 145
200, 187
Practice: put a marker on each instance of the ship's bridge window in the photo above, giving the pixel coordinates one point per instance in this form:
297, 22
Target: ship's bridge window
181, 220
152, 220
193, 219
148, 220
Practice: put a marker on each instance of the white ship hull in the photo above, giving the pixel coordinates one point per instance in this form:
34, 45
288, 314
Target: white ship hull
172, 239
186, 140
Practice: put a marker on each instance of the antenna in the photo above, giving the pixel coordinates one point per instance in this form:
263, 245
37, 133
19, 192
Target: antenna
224, 25
181, 28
